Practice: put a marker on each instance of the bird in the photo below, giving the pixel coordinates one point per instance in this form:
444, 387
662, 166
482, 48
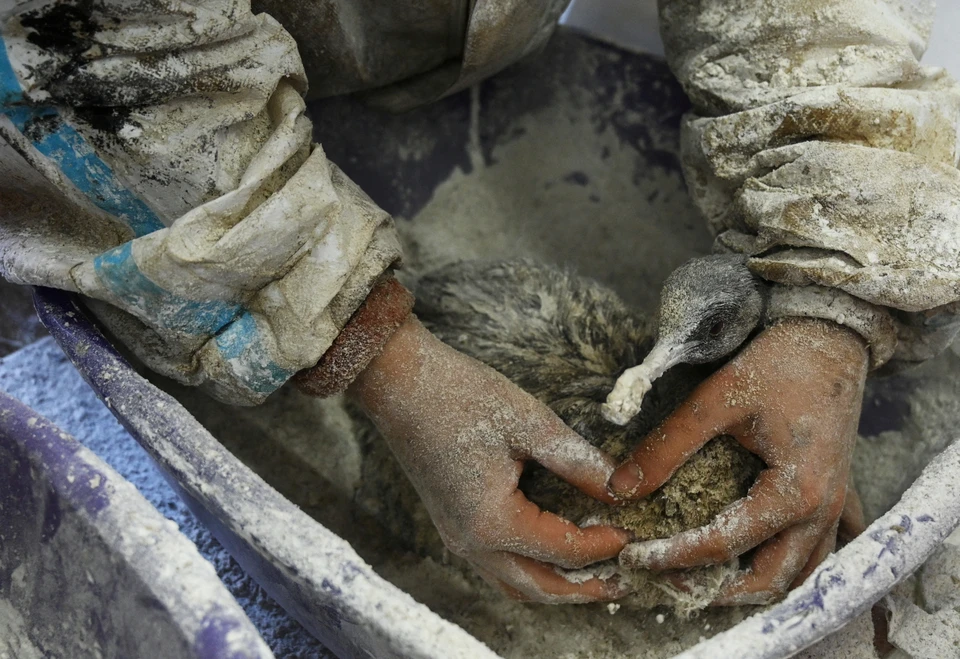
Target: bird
565, 339
708, 308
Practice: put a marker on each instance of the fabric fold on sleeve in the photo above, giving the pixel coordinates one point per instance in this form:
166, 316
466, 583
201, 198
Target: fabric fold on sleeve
238, 252
823, 150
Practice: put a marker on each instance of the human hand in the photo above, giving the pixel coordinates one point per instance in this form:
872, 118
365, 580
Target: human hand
792, 397
462, 432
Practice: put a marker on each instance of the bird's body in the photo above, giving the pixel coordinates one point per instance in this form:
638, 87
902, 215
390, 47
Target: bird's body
565, 340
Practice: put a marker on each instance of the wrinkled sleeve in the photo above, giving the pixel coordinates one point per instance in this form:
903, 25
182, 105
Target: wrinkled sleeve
406, 53
212, 235
820, 147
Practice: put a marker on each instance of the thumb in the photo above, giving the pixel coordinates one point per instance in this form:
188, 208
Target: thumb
699, 419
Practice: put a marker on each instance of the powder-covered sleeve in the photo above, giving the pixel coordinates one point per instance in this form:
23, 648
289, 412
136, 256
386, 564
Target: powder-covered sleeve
197, 204
820, 146
405, 53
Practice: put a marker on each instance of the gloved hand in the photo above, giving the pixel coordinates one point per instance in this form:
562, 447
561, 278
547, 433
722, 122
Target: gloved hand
462, 432
792, 397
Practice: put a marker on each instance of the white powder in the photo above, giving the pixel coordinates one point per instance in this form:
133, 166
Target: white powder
14, 642
567, 190
563, 194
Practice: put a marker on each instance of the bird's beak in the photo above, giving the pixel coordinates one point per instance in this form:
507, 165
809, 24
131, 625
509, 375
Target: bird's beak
625, 400
665, 355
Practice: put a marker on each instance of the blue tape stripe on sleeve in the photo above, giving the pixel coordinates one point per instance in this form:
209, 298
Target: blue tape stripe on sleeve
119, 272
239, 341
242, 347
62, 144
57, 140
10, 90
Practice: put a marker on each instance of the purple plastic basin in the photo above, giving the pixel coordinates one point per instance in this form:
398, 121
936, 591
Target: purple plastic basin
91, 569
319, 579
316, 575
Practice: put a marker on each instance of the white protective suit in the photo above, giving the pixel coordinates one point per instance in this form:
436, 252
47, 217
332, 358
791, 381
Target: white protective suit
155, 156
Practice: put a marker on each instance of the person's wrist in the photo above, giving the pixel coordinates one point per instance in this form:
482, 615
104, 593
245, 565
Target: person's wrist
387, 307
825, 342
395, 369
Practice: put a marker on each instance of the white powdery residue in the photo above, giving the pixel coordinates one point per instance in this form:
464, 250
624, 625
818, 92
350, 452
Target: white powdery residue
603, 573
14, 639
130, 131
563, 194
644, 553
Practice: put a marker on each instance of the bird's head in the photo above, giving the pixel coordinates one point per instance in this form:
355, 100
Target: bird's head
708, 308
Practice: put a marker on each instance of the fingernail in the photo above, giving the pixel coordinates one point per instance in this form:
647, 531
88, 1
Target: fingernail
626, 481
627, 535
644, 555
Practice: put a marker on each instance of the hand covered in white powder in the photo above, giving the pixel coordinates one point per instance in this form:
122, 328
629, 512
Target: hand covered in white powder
462, 432
792, 397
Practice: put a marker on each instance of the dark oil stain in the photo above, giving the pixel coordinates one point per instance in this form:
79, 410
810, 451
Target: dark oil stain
577, 178
108, 120
65, 27
39, 127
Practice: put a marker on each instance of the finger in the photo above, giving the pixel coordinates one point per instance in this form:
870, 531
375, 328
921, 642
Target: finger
549, 585
506, 589
852, 522
823, 549
701, 418
774, 567
539, 534
743, 525
576, 461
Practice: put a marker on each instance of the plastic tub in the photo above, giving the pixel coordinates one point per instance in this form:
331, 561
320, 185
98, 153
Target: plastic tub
404, 163
88, 568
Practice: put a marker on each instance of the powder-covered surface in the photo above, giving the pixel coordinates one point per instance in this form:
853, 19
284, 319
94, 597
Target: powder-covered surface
570, 158
279, 442
855, 641
907, 420
561, 181
926, 609
19, 325
41, 377
14, 643
572, 178
563, 189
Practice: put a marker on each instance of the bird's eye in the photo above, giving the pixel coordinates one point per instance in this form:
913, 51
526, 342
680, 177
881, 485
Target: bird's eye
716, 328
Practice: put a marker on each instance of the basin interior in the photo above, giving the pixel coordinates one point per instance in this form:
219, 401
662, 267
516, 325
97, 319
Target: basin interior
65, 591
570, 159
